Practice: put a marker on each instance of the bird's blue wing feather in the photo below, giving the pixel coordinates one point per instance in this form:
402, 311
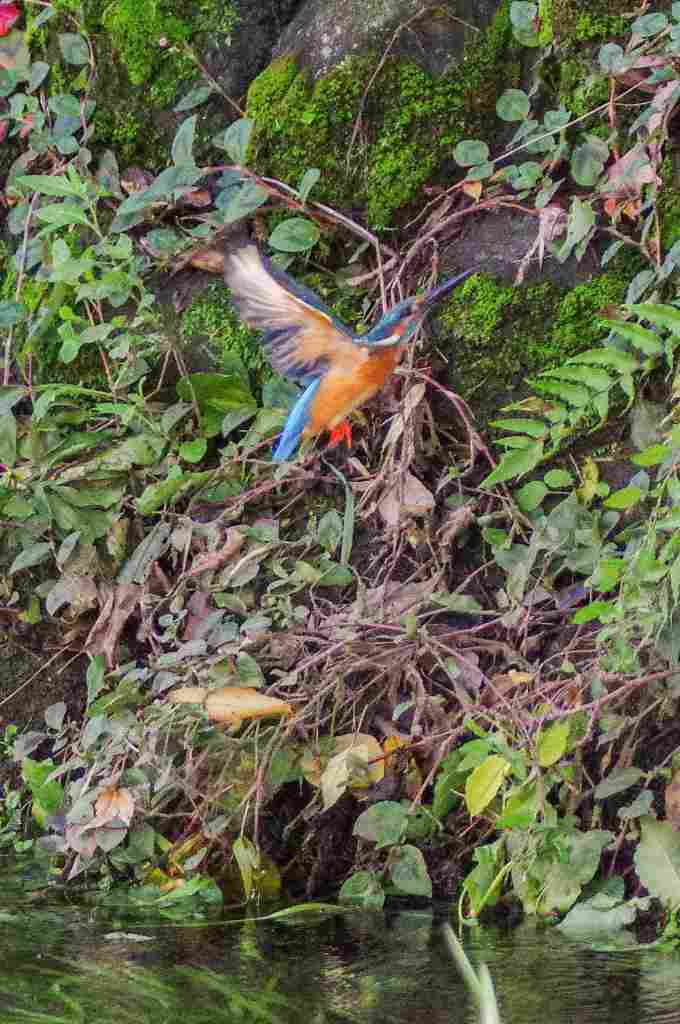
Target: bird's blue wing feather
296, 423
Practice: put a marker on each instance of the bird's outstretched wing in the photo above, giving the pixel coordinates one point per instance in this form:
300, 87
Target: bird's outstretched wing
302, 338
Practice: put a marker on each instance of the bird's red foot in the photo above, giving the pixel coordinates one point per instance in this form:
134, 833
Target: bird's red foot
343, 432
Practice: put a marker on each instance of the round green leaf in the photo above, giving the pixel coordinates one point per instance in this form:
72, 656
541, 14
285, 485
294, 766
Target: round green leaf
554, 119
625, 498
470, 152
594, 610
199, 94
525, 175
586, 164
382, 823
309, 180
39, 72
295, 235
611, 58
480, 171
74, 48
236, 139
523, 15
513, 105
649, 24
558, 478
363, 889
408, 872
531, 495
193, 451
11, 313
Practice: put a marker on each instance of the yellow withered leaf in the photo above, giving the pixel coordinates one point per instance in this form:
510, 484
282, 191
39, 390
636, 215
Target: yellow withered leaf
188, 695
232, 703
366, 747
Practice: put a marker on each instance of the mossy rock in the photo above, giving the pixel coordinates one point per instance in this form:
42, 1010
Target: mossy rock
575, 22
376, 148
144, 67
496, 335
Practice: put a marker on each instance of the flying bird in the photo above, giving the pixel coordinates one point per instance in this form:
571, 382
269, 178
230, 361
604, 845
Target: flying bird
340, 370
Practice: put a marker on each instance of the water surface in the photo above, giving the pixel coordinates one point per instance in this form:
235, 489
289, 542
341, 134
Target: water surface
78, 962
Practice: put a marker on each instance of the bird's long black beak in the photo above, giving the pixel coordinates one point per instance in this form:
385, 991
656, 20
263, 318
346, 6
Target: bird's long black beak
442, 290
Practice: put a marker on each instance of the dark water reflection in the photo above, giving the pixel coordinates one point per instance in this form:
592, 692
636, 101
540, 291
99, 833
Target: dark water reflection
73, 963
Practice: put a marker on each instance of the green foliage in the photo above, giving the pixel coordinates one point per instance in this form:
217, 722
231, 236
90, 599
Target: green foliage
496, 332
404, 871
111, 478
584, 388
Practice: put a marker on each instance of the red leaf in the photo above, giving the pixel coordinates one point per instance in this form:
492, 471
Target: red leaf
9, 13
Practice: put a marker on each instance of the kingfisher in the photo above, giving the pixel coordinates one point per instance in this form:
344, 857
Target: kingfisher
339, 370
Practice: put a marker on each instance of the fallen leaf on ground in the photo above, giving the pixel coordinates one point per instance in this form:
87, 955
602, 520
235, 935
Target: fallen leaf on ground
406, 497
233, 542
118, 605
113, 803
232, 703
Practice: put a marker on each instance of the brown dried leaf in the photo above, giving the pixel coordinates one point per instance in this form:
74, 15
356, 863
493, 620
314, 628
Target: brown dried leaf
663, 103
14, 52
406, 497
314, 765
233, 542
454, 522
118, 605
630, 173
188, 695
78, 592
198, 609
206, 258
134, 179
473, 189
113, 803
196, 197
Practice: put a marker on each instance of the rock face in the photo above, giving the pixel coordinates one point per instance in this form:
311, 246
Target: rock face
323, 34
259, 26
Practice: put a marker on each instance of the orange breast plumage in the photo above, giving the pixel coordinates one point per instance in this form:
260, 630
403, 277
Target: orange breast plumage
341, 392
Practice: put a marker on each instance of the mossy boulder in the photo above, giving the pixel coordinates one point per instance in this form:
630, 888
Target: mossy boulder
495, 335
322, 34
378, 131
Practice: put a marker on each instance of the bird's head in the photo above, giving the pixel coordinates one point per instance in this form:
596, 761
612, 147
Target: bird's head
400, 322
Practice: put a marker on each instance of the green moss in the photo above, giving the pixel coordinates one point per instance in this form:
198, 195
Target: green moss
576, 327
580, 91
579, 21
212, 316
545, 19
592, 28
142, 74
150, 36
500, 335
119, 128
410, 121
669, 204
